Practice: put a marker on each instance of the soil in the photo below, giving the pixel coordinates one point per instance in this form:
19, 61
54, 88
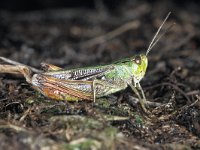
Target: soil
78, 37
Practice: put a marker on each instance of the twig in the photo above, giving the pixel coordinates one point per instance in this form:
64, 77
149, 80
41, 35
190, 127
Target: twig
9, 69
195, 92
25, 114
115, 118
191, 105
174, 86
135, 100
180, 43
11, 126
17, 63
108, 36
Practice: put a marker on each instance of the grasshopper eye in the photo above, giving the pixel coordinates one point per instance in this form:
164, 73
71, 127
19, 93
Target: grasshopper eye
137, 60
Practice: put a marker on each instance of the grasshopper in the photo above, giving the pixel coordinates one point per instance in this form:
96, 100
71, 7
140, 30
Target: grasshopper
88, 83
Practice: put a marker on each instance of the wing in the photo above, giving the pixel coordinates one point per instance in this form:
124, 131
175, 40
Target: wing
62, 89
50, 67
88, 73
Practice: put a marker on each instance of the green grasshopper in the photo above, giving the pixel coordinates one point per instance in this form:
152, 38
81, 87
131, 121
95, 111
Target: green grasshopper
88, 83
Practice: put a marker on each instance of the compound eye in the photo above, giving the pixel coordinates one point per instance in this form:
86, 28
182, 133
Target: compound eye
137, 60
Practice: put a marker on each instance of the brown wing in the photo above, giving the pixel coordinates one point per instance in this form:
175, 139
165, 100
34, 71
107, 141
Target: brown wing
63, 89
50, 67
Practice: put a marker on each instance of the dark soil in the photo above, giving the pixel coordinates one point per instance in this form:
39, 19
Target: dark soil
76, 37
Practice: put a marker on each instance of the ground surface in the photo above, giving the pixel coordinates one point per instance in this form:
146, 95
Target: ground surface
63, 37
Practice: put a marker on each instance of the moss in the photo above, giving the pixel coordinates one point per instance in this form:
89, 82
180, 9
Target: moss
83, 144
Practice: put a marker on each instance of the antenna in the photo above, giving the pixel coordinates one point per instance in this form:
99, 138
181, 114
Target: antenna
154, 40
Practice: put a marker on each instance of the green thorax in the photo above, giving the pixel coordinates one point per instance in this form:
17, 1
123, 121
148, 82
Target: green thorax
129, 68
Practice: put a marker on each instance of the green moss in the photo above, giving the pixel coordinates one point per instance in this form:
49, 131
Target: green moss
84, 144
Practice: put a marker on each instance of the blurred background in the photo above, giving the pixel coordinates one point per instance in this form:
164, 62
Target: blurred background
24, 5
65, 25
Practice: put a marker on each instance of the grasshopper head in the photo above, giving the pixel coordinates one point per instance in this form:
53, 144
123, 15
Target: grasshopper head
140, 63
